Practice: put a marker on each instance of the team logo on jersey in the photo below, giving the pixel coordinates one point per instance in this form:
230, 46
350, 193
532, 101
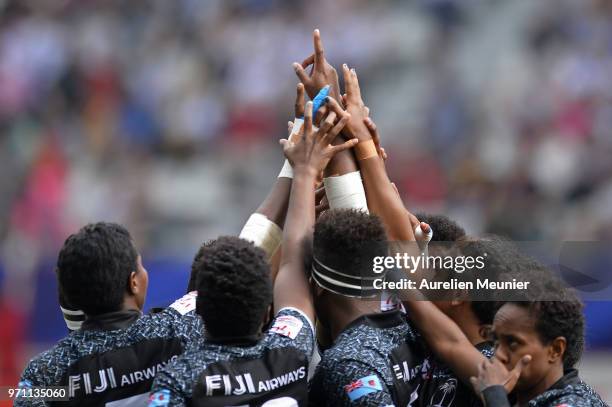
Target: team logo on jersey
186, 303
159, 398
362, 387
287, 325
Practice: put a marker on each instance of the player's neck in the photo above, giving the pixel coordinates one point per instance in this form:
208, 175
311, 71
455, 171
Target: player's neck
551, 378
348, 310
130, 303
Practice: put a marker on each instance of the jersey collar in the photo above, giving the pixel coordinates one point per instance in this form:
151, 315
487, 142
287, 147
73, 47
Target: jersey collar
111, 321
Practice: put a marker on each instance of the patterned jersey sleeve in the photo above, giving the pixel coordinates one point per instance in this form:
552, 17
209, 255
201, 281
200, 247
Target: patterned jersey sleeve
352, 383
167, 390
180, 320
30, 378
291, 328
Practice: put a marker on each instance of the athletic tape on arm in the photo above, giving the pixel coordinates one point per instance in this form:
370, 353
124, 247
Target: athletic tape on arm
346, 192
264, 233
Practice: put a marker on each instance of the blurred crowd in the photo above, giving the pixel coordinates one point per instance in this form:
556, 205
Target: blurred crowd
165, 115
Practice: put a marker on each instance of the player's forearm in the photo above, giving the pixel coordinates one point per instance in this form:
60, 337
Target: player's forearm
300, 214
384, 201
444, 337
342, 163
274, 206
291, 287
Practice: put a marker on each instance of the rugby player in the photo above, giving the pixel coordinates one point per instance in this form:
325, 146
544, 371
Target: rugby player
368, 345
545, 332
116, 353
237, 363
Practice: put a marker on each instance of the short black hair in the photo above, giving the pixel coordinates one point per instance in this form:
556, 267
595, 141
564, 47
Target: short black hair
444, 228
347, 239
557, 312
94, 266
191, 285
234, 287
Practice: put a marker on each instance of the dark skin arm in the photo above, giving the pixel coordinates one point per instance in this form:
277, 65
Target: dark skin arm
274, 206
441, 333
383, 199
308, 154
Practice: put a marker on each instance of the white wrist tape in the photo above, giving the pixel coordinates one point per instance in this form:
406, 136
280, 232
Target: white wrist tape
346, 192
422, 240
287, 171
264, 233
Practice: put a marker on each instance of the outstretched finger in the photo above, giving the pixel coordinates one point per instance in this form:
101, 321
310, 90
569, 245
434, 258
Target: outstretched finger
319, 53
308, 119
308, 61
344, 146
355, 84
333, 133
334, 106
327, 123
289, 127
301, 73
348, 81
299, 100
373, 129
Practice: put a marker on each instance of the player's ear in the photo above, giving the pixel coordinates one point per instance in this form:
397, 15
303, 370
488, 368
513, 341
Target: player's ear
485, 331
556, 349
133, 284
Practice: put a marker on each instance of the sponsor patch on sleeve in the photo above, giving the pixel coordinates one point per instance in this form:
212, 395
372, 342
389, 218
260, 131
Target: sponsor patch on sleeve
287, 325
362, 387
159, 398
186, 303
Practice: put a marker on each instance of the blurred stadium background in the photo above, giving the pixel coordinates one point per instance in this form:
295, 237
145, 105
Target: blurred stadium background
165, 116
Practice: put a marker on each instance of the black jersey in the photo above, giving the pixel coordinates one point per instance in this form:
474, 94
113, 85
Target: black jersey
569, 391
378, 360
113, 358
443, 389
256, 371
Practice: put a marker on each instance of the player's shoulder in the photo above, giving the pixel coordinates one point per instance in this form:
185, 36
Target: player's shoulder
574, 395
178, 319
47, 367
291, 328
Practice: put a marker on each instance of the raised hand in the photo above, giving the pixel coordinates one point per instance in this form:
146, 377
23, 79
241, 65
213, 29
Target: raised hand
312, 150
322, 72
492, 372
356, 127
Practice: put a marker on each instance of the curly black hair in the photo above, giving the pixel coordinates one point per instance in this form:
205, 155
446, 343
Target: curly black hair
234, 287
94, 266
191, 285
557, 312
348, 239
445, 229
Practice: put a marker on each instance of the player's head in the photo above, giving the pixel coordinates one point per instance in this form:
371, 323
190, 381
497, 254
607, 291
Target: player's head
344, 244
234, 287
500, 259
445, 229
547, 324
98, 269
